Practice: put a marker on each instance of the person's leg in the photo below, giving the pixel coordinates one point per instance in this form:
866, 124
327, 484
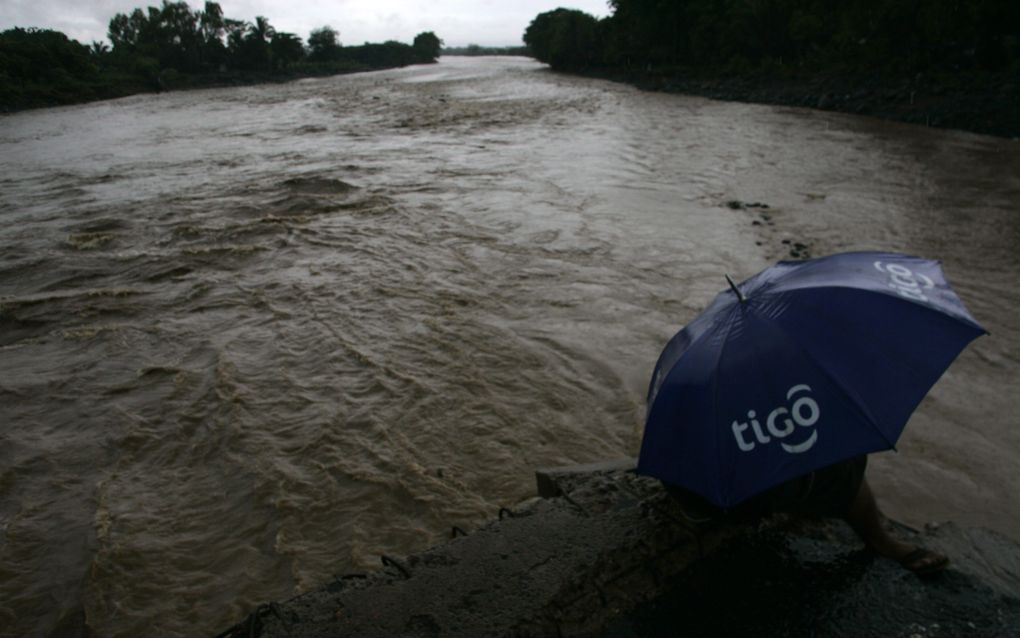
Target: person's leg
869, 523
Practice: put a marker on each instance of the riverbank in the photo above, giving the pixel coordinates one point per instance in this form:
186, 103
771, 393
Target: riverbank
607, 553
980, 102
43, 68
114, 87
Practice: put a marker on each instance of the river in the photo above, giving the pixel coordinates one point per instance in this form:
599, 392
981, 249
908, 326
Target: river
254, 337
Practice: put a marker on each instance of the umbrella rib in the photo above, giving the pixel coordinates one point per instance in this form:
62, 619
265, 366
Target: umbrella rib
739, 308
854, 400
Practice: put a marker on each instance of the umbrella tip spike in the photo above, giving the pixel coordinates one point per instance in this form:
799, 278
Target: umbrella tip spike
740, 295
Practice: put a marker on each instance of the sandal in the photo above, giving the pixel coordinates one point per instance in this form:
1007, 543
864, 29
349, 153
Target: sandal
924, 562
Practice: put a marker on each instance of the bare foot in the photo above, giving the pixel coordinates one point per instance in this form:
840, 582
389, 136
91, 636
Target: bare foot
869, 523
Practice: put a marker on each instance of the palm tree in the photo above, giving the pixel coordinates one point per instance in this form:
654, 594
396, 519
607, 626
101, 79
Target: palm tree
256, 53
261, 30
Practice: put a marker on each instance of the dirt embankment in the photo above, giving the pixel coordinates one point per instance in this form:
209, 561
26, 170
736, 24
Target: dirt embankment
980, 102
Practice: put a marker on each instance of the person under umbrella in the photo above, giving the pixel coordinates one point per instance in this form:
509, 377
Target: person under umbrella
771, 399
837, 491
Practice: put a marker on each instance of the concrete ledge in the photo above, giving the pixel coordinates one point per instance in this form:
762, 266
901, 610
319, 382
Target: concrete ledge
562, 566
610, 554
549, 479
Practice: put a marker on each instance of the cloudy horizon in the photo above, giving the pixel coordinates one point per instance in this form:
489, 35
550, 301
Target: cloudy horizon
456, 22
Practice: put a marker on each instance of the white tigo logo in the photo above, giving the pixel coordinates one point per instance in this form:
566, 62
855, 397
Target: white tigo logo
804, 412
905, 281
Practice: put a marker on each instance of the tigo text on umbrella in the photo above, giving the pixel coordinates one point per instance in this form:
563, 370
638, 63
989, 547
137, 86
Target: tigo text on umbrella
780, 423
905, 281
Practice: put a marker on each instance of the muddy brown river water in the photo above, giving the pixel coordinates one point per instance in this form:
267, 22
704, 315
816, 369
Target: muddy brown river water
251, 338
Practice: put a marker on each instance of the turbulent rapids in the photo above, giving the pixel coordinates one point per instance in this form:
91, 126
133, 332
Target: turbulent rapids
251, 338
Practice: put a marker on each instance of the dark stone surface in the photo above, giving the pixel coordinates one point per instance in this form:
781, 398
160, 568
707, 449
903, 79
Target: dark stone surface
816, 580
610, 554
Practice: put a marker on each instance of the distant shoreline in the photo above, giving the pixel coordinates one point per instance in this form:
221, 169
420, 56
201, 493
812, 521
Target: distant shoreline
171, 82
987, 103
166, 51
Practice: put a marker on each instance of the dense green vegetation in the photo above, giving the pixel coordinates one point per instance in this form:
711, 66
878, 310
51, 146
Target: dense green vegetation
171, 46
45, 67
951, 63
749, 34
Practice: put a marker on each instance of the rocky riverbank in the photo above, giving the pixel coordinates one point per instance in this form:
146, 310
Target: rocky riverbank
607, 553
980, 102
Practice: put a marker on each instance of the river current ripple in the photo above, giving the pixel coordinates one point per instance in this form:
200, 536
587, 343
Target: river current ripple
252, 338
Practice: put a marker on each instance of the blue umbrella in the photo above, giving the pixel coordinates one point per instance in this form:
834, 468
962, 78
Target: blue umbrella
806, 364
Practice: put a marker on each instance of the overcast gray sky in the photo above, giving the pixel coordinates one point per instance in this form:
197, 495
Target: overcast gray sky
457, 22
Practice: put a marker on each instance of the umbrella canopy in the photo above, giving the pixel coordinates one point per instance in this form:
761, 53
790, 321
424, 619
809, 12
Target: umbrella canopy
803, 365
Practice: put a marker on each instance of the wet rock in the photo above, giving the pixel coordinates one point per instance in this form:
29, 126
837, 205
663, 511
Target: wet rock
814, 579
736, 204
609, 554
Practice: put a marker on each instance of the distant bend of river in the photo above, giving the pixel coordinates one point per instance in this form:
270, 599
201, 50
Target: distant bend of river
251, 338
